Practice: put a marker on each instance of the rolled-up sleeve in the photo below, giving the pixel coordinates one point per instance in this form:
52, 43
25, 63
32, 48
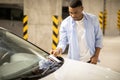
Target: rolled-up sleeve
98, 34
63, 36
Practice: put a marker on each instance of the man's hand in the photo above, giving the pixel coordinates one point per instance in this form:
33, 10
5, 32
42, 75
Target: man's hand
94, 59
56, 52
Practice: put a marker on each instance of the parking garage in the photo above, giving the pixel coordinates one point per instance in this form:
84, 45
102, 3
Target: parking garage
40, 14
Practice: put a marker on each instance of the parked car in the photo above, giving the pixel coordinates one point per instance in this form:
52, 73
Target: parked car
22, 60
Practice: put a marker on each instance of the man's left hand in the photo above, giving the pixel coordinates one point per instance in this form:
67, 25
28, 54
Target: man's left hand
94, 60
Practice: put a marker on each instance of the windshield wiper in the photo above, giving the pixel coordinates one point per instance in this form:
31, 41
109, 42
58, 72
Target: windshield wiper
46, 68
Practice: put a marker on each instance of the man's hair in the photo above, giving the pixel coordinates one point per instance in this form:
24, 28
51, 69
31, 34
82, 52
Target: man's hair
75, 3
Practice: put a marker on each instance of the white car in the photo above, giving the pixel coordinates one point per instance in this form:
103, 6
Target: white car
22, 60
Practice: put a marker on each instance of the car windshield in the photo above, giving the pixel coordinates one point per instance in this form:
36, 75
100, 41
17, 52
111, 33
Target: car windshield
20, 59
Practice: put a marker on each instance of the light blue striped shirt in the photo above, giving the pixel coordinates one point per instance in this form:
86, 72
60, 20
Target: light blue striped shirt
68, 35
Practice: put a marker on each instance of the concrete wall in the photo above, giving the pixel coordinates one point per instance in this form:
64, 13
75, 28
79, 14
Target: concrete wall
112, 7
40, 14
93, 6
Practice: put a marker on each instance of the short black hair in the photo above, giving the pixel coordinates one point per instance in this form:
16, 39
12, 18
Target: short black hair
75, 3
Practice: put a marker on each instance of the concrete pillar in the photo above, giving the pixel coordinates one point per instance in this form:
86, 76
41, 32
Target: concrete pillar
40, 14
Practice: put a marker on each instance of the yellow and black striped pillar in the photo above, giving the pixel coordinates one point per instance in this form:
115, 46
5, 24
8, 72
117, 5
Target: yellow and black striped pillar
118, 21
103, 20
55, 30
25, 27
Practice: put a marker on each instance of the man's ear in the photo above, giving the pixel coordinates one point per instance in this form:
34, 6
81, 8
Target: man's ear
82, 8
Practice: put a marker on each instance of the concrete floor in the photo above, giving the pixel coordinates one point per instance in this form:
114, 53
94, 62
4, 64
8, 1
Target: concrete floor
110, 53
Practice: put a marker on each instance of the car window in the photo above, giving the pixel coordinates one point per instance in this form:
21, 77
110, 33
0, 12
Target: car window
22, 59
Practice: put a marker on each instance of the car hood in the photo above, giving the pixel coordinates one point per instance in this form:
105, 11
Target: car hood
76, 70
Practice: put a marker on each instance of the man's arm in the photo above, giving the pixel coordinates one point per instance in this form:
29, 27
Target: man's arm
94, 58
98, 42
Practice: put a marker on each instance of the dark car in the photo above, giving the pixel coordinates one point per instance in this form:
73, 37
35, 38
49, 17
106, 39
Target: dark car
22, 60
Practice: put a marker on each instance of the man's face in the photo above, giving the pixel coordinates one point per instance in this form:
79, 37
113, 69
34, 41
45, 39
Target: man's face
76, 13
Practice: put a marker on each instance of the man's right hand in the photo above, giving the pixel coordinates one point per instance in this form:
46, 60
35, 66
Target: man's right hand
56, 52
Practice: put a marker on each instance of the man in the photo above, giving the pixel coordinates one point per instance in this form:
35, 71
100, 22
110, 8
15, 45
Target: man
82, 33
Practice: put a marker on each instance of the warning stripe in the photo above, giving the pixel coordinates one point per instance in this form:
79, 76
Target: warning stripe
25, 27
118, 21
101, 19
55, 31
